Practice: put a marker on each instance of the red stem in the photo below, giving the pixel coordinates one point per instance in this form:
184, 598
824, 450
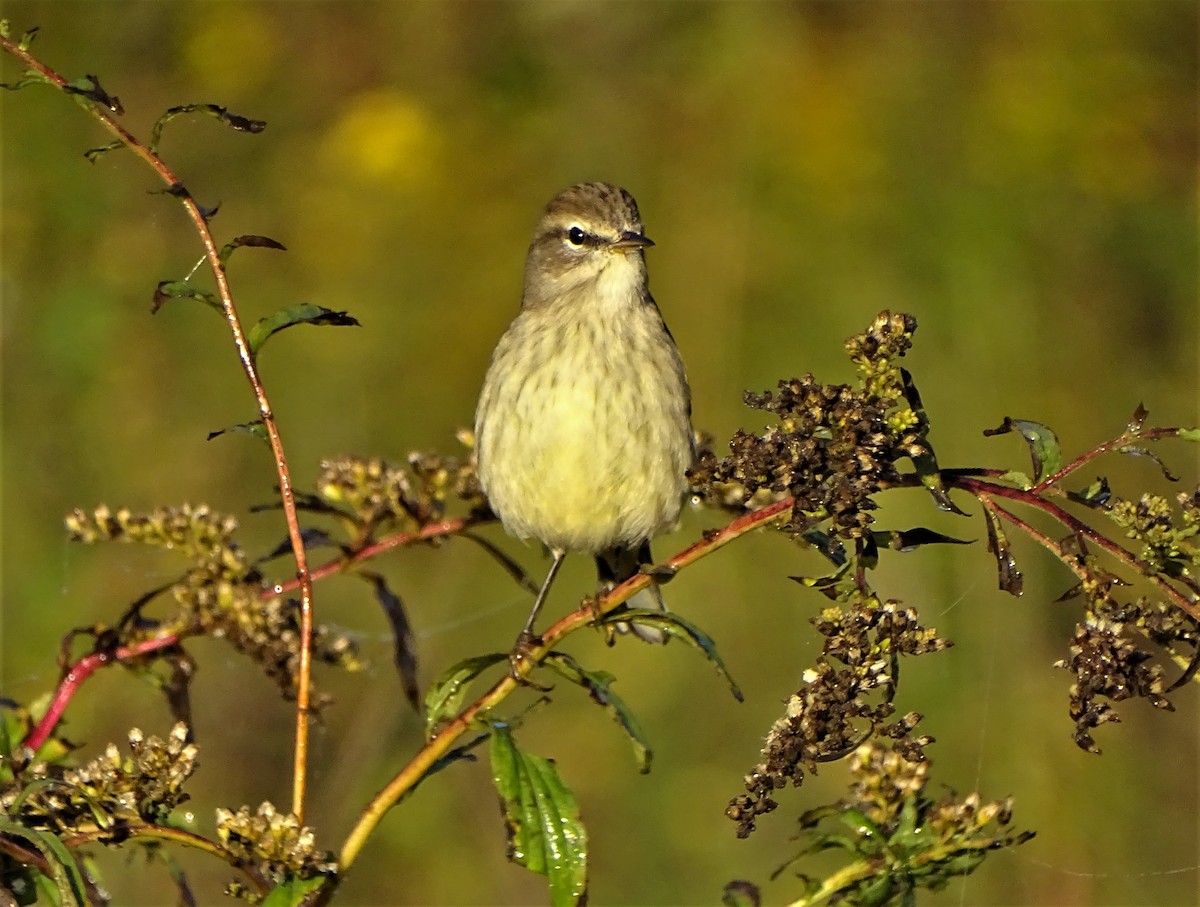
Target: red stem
79, 672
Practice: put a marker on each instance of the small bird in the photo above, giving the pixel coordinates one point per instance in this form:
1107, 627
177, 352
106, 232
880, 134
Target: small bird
583, 429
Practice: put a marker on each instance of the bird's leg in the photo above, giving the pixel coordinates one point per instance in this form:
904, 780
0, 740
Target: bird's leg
527, 637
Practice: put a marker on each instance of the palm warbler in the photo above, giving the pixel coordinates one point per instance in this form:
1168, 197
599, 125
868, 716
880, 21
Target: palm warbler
583, 431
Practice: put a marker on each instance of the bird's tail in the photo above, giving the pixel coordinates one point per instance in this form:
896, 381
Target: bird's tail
619, 564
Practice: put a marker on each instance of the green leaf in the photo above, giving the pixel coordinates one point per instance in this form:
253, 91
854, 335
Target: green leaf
304, 313
1189, 434
293, 892
674, 625
545, 834
598, 685
256, 429
249, 239
445, 698
65, 873
181, 289
1044, 448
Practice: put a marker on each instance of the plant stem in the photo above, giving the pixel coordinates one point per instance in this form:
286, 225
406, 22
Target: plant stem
250, 368
440, 744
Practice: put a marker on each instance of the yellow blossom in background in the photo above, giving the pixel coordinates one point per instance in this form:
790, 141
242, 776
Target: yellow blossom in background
385, 138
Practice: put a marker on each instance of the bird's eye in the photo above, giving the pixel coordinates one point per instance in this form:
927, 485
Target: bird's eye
576, 236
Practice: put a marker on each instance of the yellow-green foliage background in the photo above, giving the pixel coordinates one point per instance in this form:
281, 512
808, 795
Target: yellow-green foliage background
1021, 176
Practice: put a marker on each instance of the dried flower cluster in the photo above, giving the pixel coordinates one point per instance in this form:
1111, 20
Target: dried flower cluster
1106, 657
220, 595
273, 843
378, 493
835, 446
108, 794
902, 840
831, 714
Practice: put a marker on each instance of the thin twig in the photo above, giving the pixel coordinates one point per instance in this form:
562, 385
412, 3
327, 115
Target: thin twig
246, 357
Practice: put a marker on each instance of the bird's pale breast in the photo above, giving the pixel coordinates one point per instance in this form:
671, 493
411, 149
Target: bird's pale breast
587, 437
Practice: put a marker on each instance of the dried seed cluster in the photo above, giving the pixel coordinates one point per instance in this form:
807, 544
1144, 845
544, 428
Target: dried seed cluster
377, 492
220, 595
110, 793
1108, 662
831, 714
834, 447
274, 843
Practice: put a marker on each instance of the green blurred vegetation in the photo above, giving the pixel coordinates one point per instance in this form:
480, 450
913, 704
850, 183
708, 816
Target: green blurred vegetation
1020, 176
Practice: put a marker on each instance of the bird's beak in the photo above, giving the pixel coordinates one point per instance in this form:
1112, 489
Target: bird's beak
630, 241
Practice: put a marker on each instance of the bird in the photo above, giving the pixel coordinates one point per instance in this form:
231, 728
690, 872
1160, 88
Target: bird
583, 433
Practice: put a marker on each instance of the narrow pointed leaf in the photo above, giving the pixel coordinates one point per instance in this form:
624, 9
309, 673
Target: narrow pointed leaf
447, 694
249, 239
255, 429
311, 537
598, 685
65, 872
910, 539
1011, 580
404, 647
89, 89
240, 123
179, 289
1151, 455
545, 834
94, 154
674, 625
511, 567
304, 313
1044, 448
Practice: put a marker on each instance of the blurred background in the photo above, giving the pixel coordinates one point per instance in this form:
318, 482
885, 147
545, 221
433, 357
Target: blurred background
1020, 176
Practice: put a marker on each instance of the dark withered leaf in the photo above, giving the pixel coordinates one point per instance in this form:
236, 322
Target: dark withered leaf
249, 239
828, 545
511, 567
89, 89
1010, 577
1149, 454
404, 645
909, 539
240, 123
1098, 494
1044, 449
741, 893
1138, 419
94, 154
304, 313
312, 538
255, 429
